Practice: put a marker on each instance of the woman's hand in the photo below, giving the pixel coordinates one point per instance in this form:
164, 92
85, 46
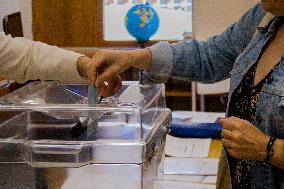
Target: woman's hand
106, 65
243, 140
87, 68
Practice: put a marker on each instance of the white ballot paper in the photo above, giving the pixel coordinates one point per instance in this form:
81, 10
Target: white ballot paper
205, 179
192, 166
187, 147
166, 184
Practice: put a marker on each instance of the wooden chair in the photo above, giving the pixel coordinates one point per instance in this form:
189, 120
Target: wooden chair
199, 91
12, 24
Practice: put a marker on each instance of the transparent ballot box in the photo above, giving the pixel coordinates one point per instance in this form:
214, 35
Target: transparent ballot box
53, 136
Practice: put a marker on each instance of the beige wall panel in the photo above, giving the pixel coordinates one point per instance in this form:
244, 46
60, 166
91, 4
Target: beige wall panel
213, 16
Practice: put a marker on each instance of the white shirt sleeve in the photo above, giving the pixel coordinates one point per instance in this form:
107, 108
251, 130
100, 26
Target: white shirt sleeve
22, 60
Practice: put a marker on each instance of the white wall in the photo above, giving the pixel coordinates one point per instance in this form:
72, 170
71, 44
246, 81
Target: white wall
25, 7
26, 12
7, 7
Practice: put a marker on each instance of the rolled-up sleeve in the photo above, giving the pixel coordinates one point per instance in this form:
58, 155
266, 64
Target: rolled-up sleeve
22, 59
162, 62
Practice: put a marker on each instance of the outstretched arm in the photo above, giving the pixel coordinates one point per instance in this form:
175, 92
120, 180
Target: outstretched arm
22, 59
205, 61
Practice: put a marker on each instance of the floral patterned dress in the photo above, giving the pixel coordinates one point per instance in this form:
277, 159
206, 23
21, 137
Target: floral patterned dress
243, 105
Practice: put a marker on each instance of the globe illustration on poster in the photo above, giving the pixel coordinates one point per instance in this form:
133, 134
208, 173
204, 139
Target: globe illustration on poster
142, 22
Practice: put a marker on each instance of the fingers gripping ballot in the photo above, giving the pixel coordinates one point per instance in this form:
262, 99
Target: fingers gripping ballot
109, 64
107, 67
110, 86
108, 79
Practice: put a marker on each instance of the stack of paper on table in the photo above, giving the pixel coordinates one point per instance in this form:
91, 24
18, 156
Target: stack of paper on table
187, 147
188, 166
186, 163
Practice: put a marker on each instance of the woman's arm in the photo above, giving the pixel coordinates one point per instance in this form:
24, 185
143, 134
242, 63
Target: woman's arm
206, 61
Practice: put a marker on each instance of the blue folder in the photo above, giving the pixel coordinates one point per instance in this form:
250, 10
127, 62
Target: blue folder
196, 130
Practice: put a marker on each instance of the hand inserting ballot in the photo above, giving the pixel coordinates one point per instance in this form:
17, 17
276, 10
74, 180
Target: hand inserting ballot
105, 67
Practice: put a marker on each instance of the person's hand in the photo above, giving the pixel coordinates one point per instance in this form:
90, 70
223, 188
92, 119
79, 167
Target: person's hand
87, 69
243, 140
108, 64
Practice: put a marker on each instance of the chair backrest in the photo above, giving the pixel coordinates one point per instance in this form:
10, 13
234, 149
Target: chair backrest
12, 24
221, 87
